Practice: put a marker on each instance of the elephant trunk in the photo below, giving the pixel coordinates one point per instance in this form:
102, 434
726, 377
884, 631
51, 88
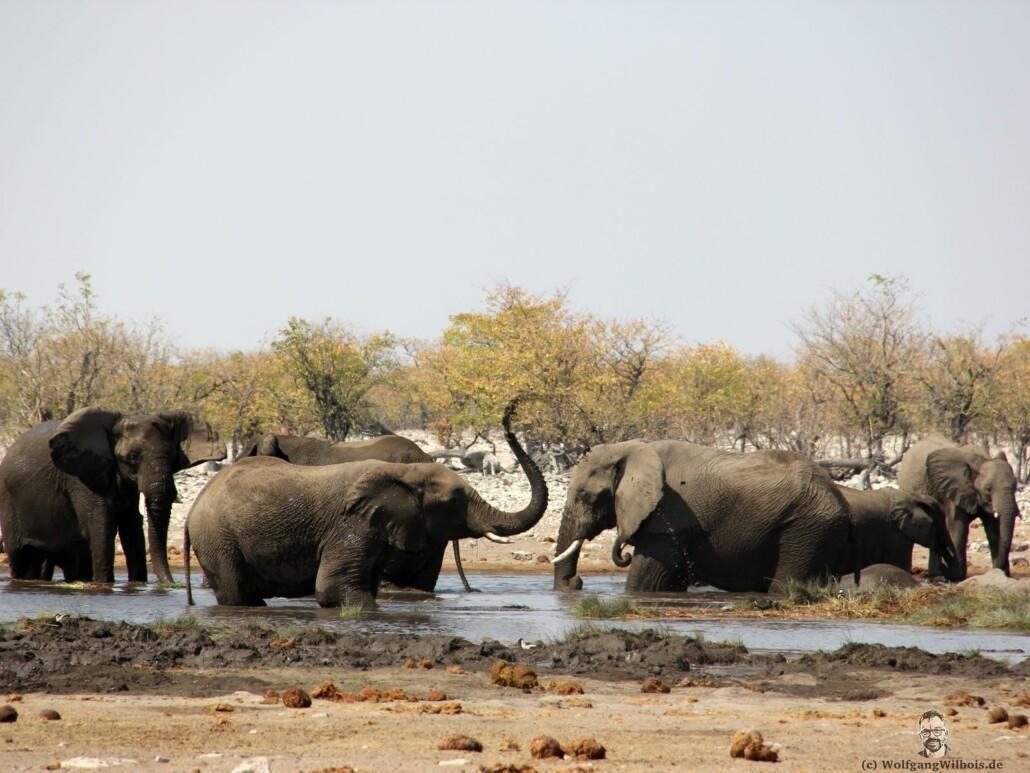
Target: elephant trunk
1006, 509
618, 558
158, 495
484, 517
565, 577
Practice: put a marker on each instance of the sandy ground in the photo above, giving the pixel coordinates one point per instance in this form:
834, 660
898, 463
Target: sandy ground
689, 728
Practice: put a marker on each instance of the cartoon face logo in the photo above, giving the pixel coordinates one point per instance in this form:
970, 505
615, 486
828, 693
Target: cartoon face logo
933, 735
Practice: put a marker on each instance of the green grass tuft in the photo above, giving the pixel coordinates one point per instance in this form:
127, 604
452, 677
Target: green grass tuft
351, 612
597, 608
165, 626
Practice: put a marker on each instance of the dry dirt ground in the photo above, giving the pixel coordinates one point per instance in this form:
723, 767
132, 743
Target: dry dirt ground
178, 700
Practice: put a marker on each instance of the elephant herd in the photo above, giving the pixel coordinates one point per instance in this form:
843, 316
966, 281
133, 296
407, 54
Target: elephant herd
298, 516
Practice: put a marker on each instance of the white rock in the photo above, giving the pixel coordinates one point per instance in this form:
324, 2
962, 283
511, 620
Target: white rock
95, 763
457, 762
253, 765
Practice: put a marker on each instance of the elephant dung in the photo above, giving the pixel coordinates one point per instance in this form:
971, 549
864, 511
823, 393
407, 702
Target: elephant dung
654, 684
49, 715
749, 745
506, 674
461, 743
961, 698
422, 663
586, 749
271, 697
997, 714
506, 767
570, 687
8, 714
296, 698
544, 747
1017, 720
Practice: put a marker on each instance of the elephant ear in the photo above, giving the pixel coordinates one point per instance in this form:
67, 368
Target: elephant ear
82, 446
391, 508
198, 441
640, 480
951, 477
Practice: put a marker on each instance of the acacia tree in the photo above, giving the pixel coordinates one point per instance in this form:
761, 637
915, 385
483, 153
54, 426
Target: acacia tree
956, 382
862, 351
337, 368
1010, 400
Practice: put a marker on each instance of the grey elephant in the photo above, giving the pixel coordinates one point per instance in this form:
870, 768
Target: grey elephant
265, 527
66, 488
877, 576
967, 484
888, 522
408, 570
736, 521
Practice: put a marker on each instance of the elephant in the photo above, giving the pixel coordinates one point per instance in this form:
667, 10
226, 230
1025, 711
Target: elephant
67, 486
967, 484
889, 521
264, 527
877, 576
740, 522
419, 571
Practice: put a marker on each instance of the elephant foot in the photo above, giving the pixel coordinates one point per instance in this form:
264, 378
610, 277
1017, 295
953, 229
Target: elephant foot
569, 584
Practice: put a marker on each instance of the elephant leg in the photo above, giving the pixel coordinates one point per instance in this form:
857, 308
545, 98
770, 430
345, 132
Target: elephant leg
130, 533
958, 532
26, 563
992, 531
226, 577
99, 526
345, 576
658, 565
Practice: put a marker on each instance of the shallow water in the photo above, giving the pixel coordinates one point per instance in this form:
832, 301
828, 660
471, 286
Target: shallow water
509, 607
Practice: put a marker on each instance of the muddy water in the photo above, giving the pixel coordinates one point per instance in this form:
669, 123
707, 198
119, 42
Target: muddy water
507, 608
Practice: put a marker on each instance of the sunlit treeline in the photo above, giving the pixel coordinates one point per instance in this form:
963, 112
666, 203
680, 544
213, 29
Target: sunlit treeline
865, 369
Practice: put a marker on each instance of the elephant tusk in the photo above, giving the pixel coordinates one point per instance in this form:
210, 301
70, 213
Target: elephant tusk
567, 552
498, 539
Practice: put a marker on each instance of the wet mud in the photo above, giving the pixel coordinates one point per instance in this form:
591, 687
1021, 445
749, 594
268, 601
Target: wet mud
75, 654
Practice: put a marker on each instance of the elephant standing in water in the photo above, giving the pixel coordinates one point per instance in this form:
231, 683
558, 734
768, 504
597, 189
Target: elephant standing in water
737, 521
967, 484
67, 486
264, 527
888, 522
420, 570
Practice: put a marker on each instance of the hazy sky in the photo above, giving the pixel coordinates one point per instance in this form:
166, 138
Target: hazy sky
721, 165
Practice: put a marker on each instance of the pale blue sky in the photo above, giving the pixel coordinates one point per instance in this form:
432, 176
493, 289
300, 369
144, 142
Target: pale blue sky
721, 165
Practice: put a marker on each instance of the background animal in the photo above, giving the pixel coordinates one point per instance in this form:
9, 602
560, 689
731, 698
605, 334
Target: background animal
66, 488
736, 521
264, 527
967, 484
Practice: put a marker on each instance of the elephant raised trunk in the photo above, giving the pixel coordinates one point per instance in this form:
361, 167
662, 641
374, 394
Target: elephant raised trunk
484, 517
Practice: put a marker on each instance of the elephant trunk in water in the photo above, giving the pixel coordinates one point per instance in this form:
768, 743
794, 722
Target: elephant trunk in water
565, 577
484, 517
1006, 510
158, 489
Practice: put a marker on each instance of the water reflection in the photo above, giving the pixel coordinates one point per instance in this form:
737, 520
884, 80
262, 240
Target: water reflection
508, 607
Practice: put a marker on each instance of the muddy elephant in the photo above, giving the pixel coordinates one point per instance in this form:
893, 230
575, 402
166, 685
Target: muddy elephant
736, 521
265, 527
67, 486
967, 484
888, 522
419, 571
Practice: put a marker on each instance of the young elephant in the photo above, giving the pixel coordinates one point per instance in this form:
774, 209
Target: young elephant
889, 521
264, 527
737, 521
967, 484
67, 486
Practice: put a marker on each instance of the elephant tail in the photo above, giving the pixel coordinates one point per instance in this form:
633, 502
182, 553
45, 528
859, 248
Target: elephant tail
186, 558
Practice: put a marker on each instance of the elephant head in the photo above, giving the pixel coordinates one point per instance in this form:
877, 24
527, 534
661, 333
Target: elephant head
617, 485
978, 486
922, 521
110, 452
